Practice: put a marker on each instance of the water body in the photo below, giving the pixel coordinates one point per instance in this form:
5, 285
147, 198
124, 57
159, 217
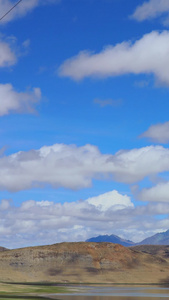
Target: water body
103, 293
116, 293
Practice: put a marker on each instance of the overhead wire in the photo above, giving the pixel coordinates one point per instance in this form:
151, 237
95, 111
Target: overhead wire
10, 10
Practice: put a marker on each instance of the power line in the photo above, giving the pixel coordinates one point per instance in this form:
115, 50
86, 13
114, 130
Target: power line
10, 10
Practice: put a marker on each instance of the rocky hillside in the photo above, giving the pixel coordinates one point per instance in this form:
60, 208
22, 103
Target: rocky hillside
82, 262
3, 249
157, 250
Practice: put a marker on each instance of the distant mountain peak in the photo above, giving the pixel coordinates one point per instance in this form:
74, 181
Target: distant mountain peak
161, 238
111, 239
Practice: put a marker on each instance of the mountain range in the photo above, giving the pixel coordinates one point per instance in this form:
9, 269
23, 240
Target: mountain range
161, 238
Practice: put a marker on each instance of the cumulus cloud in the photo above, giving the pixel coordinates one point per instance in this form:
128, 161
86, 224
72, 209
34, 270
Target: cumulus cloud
158, 133
149, 55
7, 56
75, 167
54, 222
134, 165
12, 101
112, 200
158, 193
10, 50
151, 9
46, 222
21, 9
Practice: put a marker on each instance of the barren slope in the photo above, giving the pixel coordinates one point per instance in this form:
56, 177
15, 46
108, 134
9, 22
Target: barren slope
82, 262
158, 250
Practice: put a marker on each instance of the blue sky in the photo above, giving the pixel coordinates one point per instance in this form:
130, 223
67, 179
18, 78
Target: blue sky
84, 120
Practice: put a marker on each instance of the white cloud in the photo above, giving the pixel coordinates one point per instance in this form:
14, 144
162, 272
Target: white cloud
149, 55
5, 204
13, 101
26, 43
46, 222
10, 51
21, 9
75, 167
112, 200
7, 56
158, 193
158, 133
151, 9
134, 165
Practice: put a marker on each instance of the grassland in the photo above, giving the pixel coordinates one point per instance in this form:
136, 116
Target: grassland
29, 291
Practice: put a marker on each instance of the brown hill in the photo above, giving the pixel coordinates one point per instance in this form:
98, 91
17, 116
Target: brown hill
3, 249
82, 262
158, 250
